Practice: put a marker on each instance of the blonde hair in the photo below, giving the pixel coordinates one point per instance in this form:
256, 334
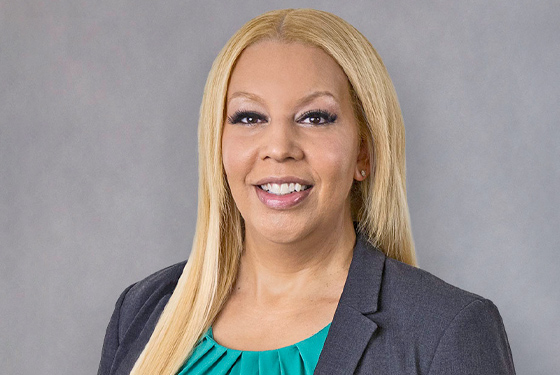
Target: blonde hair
378, 203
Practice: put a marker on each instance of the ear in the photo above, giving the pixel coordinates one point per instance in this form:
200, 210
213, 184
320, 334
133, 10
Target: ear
362, 164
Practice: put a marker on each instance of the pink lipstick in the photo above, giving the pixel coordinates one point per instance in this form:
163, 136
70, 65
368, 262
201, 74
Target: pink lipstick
282, 194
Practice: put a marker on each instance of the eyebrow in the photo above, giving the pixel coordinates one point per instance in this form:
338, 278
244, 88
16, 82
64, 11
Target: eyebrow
309, 98
301, 102
247, 95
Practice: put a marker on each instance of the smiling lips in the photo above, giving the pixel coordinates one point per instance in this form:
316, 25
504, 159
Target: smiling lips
282, 195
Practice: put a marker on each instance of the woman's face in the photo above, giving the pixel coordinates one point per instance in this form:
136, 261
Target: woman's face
290, 142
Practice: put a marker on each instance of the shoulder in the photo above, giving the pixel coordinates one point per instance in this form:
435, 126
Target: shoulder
417, 301
411, 287
134, 318
155, 283
143, 297
445, 328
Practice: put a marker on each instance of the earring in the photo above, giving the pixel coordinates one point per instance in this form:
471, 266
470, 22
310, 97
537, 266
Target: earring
363, 173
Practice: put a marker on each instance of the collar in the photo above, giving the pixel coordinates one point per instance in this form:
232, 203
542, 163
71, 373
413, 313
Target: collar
351, 329
361, 290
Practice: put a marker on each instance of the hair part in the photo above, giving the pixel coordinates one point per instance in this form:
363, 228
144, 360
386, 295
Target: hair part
378, 203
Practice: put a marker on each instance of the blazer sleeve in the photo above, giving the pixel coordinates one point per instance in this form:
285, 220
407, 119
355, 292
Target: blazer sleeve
112, 337
475, 342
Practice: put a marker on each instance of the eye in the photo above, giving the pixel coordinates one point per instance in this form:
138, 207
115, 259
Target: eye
317, 117
247, 118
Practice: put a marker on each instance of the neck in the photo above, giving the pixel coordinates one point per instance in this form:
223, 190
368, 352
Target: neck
270, 270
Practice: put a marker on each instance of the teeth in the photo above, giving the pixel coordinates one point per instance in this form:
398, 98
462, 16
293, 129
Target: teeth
275, 189
283, 189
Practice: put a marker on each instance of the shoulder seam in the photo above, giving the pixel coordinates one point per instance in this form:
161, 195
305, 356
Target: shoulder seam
124, 294
480, 299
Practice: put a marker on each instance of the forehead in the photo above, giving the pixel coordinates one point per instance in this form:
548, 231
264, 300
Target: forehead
295, 69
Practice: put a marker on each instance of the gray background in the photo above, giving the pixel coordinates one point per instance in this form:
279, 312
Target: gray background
98, 161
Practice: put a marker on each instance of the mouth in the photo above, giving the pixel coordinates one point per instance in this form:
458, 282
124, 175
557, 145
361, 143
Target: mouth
283, 188
285, 193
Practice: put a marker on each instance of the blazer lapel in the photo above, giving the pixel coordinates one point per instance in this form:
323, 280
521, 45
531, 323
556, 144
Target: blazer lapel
351, 330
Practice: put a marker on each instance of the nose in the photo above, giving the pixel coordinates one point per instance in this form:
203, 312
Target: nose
281, 142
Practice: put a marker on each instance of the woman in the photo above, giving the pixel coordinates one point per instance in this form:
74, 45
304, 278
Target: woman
302, 173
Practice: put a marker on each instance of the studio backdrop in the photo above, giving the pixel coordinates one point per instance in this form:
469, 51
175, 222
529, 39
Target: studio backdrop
98, 156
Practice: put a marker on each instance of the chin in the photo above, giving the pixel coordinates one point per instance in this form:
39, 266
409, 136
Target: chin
282, 230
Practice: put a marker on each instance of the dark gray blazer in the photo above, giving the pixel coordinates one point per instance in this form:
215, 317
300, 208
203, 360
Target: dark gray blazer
391, 319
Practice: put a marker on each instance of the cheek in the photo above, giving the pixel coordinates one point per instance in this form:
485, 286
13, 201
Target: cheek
236, 157
338, 158
228, 154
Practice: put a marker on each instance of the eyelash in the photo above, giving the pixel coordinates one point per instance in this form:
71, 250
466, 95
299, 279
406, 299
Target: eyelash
327, 116
240, 117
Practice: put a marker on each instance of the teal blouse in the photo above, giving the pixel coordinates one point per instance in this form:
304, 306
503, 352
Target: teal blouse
210, 358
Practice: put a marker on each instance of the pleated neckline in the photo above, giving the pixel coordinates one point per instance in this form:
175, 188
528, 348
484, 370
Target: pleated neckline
310, 340
209, 357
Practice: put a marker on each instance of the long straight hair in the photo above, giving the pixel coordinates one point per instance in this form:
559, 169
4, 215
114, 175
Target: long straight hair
378, 203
